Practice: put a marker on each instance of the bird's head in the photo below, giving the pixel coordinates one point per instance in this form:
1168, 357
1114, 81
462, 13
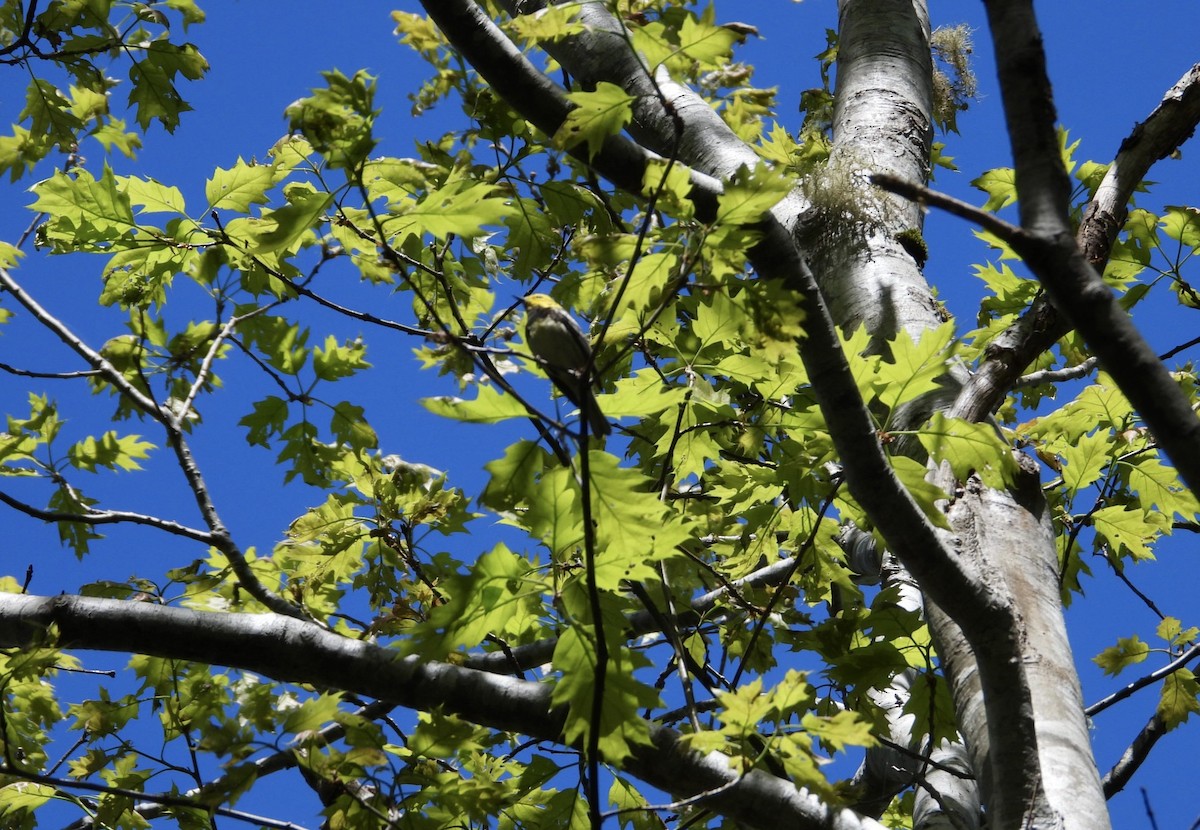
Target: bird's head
538, 301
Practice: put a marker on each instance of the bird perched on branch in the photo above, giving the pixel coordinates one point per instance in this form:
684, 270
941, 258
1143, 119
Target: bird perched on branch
564, 353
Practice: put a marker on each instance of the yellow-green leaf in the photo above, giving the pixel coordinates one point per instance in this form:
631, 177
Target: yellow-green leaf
488, 407
1128, 651
1085, 459
1131, 530
970, 448
597, 115
1180, 698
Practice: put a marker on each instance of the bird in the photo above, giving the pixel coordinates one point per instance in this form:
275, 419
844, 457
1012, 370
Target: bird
564, 353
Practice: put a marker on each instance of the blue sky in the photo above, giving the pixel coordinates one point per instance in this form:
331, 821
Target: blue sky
1109, 68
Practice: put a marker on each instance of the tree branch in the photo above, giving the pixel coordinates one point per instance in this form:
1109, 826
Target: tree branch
1171, 123
925, 196
154, 806
93, 358
1132, 758
296, 651
1052, 254
1142, 682
163, 800
603, 52
106, 517
219, 536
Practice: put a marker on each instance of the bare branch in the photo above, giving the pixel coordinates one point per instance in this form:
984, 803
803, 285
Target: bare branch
1057, 375
1134, 755
167, 800
154, 806
225, 333
1171, 123
603, 52
107, 517
26, 373
964, 210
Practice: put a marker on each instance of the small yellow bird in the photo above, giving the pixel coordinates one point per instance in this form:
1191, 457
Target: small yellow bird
564, 353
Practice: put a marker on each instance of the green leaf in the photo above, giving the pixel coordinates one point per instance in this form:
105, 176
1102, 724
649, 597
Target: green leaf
704, 42
1171, 630
597, 115
50, 114
20, 151
634, 530
489, 407
460, 207
188, 9
312, 714
334, 361
154, 95
111, 451
1159, 487
268, 419
1180, 698
1001, 187
1127, 652
350, 428
112, 134
1182, 224
23, 797
151, 196
912, 475
750, 194
500, 596
970, 448
1130, 530
83, 210
915, 366
75, 535
620, 728
531, 235
239, 187
842, 730
338, 119
547, 24
1084, 460
512, 478
744, 707
280, 229
1103, 404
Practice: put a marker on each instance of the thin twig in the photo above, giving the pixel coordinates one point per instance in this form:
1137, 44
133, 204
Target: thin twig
1056, 375
206, 365
165, 800
105, 517
1142, 682
93, 358
26, 373
964, 210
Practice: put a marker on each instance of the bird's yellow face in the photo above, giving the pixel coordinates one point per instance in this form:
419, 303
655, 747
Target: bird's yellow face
539, 301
